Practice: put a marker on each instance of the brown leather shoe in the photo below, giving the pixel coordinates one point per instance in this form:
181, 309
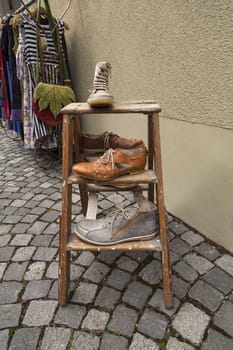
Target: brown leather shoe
106, 140
113, 163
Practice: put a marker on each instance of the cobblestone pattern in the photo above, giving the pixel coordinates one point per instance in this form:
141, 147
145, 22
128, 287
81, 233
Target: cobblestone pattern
116, 300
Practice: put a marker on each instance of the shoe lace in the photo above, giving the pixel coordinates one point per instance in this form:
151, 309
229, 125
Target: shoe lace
108, 136
102, 73
124, 212
108, 156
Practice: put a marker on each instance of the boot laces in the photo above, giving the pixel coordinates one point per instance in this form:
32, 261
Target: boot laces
102, 73
123, 212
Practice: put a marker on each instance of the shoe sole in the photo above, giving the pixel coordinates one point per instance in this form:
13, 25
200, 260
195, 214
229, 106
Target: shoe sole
100, 102
113, 177
130, 239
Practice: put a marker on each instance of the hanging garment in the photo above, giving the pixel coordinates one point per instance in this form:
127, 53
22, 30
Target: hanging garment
7, 44
28, 64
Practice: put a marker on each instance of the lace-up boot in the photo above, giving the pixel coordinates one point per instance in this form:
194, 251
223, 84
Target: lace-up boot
100, 95
133, 223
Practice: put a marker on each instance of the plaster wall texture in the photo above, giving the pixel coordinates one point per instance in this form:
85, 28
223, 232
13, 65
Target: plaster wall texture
178, 53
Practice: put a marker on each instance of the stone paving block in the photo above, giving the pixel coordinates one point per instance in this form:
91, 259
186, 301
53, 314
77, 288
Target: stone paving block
38, 227
152, 324
224, 318
139, 256
36, 289
107, 298
108, 257
46, 185
152, 273
192, 238
42, 240
21, 239
2, 269
23, 254
8, 211
118, 279
76, 272
139, 342
4, 240
209, 251
9, 315
39, 313
85, 293
20, 227
113, 342
52, 271
185, 271
191, 323
45, 254
38, 211
4, 336
96, 272
173, 257
55, 338
85, 258
9, 292
225, 262
180, 247
177, 228
4, 229
217, 341
22, 211
82, 340
29, 218
137, 294
18, 203
179, 286
200, 264
25, 339
95, 320
50, 216
47, 203
71, 315
123, 321
157, 301
205, 294
35, 271
126, 263
174, 344
231, 297
11, 219
6, 253
52, 229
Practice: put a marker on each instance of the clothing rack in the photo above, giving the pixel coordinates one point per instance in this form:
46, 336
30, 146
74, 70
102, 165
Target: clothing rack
24, 6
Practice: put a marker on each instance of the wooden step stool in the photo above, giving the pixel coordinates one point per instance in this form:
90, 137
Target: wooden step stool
151, 178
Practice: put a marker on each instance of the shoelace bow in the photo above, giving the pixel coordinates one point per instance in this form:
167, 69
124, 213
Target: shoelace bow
108, 136
124, 212
107, 156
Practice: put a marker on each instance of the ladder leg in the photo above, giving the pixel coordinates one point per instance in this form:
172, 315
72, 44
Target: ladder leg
167, 285
65, 219
150, 134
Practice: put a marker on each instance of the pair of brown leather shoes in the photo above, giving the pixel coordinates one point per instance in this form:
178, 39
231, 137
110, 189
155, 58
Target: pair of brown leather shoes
113, 163
106, 140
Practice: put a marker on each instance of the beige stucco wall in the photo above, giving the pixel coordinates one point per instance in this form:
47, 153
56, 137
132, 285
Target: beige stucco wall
180, 54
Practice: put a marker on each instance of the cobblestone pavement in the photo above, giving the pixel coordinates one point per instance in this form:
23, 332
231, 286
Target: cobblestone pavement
116, 299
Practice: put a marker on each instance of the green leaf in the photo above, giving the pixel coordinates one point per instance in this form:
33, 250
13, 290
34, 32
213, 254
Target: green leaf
53, 96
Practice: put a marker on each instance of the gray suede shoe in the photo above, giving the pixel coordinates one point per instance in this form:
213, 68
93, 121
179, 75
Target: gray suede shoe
133, 223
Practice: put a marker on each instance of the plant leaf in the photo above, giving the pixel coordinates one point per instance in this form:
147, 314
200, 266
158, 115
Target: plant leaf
53, 96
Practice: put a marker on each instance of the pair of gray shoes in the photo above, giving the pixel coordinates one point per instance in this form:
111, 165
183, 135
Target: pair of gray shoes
136, 222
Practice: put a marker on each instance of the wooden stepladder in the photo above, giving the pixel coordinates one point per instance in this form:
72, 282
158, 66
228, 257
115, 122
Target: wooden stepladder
151, 180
